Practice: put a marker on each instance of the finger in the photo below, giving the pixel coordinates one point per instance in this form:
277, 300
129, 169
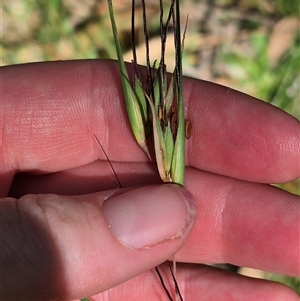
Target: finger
53, 110
198, 283
246, 224
59, 248
239, 136
242, 223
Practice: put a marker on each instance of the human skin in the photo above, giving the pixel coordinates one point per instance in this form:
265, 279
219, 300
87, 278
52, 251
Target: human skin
55, 238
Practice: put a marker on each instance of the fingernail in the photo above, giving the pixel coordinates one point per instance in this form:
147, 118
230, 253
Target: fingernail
148, 215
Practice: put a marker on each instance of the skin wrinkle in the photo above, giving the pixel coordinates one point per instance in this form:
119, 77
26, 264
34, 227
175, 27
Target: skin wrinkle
66, 213
26, 204
61, 114
95, 111
93, 91
75, 115
59, 214
25, 247
220, 220
45, 219
56, 212
103, 113
98, 112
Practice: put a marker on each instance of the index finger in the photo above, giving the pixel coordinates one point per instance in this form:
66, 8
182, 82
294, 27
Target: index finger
51, 111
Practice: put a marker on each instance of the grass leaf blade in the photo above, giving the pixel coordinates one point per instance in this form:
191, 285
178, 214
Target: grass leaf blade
132, 102
178, 162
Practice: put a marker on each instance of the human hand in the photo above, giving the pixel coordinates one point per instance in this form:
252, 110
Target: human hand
60, 247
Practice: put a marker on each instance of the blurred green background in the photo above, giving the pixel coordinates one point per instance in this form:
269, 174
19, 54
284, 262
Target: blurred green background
249, 45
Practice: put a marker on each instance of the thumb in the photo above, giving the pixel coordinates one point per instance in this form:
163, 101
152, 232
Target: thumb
61, 247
